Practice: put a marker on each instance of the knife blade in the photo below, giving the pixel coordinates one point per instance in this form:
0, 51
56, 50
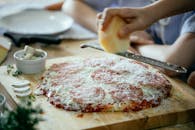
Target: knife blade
32, 38
154, 62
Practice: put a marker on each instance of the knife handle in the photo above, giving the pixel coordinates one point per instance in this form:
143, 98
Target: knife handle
27, 39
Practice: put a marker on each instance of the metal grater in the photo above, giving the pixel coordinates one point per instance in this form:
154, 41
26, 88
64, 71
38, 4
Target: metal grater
178, 69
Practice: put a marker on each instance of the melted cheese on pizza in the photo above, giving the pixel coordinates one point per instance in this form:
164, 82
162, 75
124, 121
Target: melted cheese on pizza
104, 84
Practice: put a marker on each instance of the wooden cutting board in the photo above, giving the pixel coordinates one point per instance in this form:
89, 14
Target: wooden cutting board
179, 108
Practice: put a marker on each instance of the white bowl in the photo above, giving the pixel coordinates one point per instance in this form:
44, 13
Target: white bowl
30, 66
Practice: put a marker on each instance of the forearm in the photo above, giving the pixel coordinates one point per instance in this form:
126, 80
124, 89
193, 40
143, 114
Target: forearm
82, 13
153, 51
181, 52
166, 8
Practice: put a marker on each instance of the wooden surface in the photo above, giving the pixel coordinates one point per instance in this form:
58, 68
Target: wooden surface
180, 108
71, 48
65, 48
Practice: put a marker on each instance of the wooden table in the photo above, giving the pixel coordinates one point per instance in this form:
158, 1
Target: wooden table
72, 48
65, 48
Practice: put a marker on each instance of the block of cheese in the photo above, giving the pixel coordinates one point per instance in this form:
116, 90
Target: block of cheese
5, 46
109, 39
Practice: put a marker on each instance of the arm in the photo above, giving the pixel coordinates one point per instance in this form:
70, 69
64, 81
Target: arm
181, 52
141, 18
82, 13
166, 8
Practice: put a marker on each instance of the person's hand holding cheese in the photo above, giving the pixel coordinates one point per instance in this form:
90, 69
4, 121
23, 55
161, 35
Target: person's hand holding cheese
109, 38
117, 24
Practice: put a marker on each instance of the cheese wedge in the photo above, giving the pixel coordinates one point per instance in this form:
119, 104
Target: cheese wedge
29, 52
5, 46
109, 39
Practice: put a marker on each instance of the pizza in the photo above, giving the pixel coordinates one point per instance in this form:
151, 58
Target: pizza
103, 84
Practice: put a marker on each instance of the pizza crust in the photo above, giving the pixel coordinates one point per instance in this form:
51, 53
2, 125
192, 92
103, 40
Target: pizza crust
109, 39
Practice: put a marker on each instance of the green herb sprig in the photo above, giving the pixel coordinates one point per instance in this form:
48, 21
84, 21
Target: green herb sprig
24, 117
11, 70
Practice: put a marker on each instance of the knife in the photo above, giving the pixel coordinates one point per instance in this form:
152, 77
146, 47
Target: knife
154, 62
32, 38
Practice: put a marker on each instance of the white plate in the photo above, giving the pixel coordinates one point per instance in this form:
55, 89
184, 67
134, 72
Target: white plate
36, 22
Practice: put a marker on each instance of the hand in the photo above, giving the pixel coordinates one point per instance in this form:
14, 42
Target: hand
140, 38
56, 6
133, 50
191, 79
136, 19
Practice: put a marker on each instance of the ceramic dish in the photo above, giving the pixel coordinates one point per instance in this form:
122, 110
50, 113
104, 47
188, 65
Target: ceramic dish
30, 66
37, 21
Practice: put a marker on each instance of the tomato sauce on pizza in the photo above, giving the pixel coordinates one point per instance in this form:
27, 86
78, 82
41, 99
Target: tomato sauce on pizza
104, 84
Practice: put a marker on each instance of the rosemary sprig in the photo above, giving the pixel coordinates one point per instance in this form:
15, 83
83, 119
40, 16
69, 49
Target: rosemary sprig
13, 71
24, 117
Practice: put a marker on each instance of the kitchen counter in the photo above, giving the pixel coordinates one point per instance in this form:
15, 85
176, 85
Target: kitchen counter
72, 48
